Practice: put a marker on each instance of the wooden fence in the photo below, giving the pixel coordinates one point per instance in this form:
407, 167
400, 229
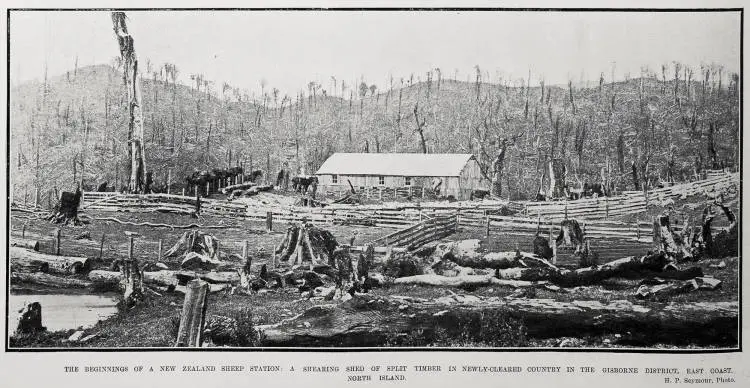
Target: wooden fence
400, 215
427, 231
630, 202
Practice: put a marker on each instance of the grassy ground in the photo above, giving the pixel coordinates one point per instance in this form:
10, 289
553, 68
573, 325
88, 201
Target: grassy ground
152, 324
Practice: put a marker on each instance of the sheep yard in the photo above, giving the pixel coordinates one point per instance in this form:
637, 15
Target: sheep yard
466, 284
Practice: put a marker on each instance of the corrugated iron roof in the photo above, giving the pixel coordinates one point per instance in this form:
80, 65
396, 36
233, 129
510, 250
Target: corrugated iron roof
395, 164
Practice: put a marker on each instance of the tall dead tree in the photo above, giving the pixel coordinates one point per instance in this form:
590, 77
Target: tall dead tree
136, 151
497, 169
420, 127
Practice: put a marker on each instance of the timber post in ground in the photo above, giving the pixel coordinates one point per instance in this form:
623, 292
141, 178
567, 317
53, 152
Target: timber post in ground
101, 248
57, 241
193, 317
269, 221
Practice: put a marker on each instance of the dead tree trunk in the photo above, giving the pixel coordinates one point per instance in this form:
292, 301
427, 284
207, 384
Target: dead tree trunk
420, 127
132, 84
497, 170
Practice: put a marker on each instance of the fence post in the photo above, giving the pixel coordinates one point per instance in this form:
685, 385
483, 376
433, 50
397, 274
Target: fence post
23, 231
269, 221
244, 249
488, 226
57, 241
183, 191
554, 253
193, 317
158, 257
101, 248
552, 244
169, 181
130, 248
36, 198
606, 207
638, 229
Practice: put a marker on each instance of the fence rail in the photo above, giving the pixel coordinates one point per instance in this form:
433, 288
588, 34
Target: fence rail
400, 215
630, 202
422, 233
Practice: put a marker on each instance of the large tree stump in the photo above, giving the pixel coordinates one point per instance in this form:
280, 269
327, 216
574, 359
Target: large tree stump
66, 209
305, 243
671, 244
570, 235
133, 278
31, 319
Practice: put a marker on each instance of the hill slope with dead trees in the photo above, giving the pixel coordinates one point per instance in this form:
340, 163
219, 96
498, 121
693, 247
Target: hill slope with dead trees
631, 133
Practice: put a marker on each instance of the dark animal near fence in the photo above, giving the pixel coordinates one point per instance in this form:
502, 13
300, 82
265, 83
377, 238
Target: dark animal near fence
102, 187
479, 194
254, 175
301, 184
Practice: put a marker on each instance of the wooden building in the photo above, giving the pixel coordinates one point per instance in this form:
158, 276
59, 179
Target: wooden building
402, 175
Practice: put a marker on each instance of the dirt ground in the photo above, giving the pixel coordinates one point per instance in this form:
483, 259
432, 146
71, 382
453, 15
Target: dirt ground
153, 324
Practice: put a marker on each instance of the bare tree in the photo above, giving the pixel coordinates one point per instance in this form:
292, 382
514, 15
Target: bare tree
132, 83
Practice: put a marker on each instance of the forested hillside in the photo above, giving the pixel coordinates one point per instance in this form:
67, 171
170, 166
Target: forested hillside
74, 127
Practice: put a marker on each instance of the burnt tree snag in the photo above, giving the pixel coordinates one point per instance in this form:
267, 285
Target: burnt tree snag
136, 152
303, 243
66, 209
420, 127
497, 169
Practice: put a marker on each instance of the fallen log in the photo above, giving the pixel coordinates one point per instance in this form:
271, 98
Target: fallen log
669, 289
47, 280
463, 281
28, 265
56, 264
164, 278
24, 243
159, 225
113, 279
469, 253
240, 186
371, 321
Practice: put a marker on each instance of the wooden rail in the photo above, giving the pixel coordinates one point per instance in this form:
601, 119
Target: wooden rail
400, 215
425, 232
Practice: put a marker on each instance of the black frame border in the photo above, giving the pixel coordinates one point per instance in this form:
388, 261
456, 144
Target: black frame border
6, 335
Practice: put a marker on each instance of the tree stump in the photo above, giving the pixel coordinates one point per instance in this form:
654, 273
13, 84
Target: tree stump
31, 319
306, 243
66, 209
133, 278
193, 318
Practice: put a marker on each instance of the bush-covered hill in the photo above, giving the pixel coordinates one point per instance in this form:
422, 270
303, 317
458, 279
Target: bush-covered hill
75, 126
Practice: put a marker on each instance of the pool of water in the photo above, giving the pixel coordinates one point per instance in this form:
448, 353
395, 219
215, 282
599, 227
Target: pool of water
65, 311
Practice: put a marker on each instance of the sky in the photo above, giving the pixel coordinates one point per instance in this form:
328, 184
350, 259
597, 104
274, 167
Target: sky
288, 49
